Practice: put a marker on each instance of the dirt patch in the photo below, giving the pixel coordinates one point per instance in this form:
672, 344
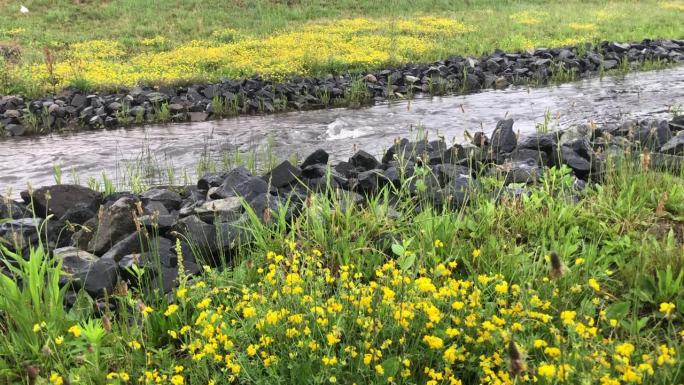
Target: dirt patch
663, 226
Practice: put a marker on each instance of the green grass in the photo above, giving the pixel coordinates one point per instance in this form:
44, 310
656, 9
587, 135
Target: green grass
620, 246
57, 24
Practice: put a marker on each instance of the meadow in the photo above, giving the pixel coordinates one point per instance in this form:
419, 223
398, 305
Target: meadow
104, 45
552, 286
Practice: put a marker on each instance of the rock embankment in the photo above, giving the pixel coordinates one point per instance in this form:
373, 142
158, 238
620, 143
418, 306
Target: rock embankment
73, 109
98, 238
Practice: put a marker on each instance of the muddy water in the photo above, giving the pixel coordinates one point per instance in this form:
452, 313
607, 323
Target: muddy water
340, 131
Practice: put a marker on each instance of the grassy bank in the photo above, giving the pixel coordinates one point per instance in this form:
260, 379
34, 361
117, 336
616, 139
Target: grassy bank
124, 42
543, 288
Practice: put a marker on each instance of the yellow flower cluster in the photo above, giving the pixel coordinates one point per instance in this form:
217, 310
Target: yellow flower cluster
12, 32
358, 43
97, 49
583, 26
306, 315
154, 41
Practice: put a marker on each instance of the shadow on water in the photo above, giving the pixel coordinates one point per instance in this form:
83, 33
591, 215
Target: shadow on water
339, 131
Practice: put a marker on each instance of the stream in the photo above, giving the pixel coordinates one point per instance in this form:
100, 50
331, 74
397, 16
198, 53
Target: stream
339, 131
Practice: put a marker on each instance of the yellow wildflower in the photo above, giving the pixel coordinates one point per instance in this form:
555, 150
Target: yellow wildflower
147, 310
425, 285
433, 342
450, 355
135, 345
249, 312
39, 326
667, 307
547, 370
170, 310
568, 317
181, 293
594, 284
75, 330
625, 349
56, 379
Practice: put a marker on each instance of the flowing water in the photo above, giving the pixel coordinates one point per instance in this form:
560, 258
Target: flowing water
339, 131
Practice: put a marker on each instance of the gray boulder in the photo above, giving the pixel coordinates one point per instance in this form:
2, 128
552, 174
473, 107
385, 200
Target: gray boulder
580, 165
20, 233
10, 209
171, 200
504, 139
364, 161
128, 245
115, 223
527, 171
240, 184
539, 141
58, 199
99, 278
209, 241
220, 210
653, 135
674, 146
78, 214
73, 260
317, 157
284, 174
213, 179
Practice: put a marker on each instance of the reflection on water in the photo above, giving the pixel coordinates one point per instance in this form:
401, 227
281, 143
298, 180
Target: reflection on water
339, 131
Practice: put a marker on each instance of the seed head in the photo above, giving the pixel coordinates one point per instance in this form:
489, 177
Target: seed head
106, 324
517, 365
557, 268
121, 288
513, 352
136, 220
32, 373
645, 157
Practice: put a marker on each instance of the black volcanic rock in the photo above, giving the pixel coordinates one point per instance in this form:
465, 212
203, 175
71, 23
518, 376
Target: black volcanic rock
58, 199
504, 139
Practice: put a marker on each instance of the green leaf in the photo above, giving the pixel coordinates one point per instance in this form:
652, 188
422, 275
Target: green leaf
644, 296
407, 261
398, 249
391, 366
83, 306
618, 310
641, 323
